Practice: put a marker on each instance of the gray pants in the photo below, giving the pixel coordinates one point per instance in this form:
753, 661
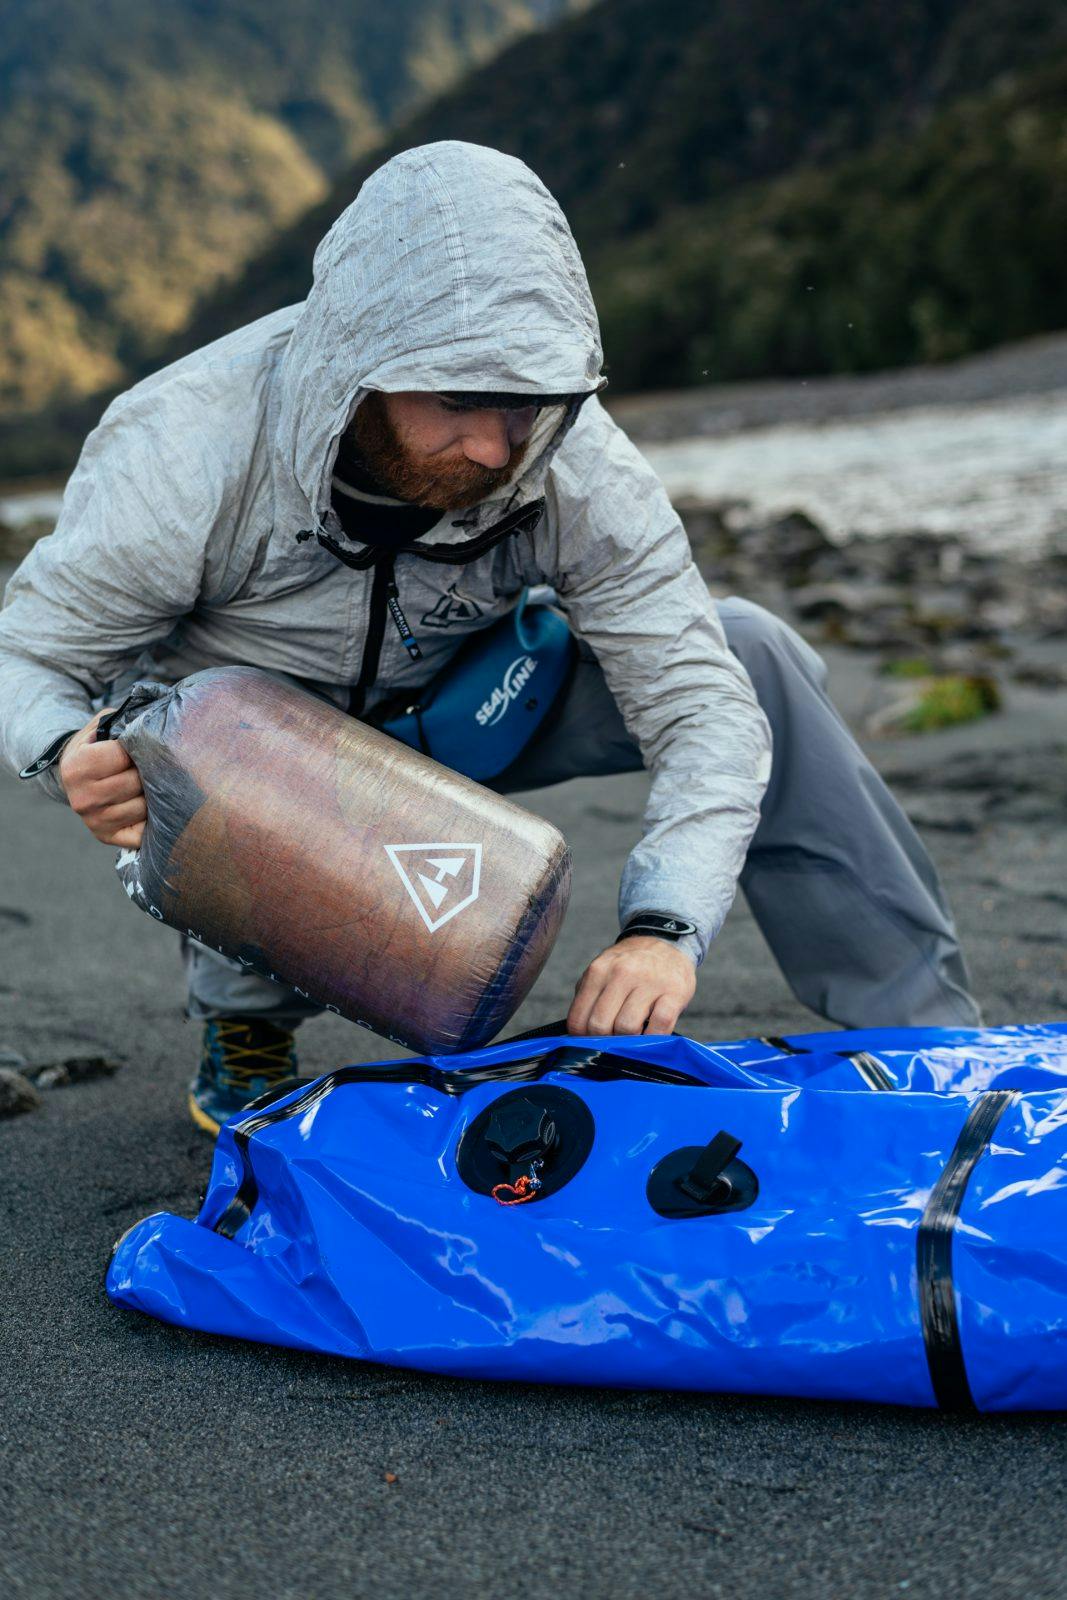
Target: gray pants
841, 887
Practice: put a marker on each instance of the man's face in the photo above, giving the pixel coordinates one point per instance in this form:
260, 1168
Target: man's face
427, 450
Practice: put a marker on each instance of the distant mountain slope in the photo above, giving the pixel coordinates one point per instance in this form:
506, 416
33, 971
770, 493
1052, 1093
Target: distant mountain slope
633, 109
148, 150
920, 249
757, 188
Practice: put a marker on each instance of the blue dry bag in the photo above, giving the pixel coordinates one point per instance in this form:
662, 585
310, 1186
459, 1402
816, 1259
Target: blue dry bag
481, 712
864, 1216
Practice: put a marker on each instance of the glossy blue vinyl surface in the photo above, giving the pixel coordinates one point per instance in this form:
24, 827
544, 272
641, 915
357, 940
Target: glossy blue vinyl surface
347, 1228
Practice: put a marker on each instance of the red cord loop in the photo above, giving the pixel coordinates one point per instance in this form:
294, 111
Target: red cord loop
523, 1189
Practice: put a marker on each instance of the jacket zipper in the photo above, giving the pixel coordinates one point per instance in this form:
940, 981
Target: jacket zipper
384, 601
385, 596
372, 645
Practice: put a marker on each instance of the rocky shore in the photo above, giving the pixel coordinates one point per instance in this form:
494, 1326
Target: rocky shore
925, 608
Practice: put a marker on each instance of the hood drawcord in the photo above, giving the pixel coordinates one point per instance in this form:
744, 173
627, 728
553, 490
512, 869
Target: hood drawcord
407, 638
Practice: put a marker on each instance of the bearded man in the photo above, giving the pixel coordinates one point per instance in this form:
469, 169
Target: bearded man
425, 429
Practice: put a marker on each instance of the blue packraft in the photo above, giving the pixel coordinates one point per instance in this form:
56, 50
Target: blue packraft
856, 1216
481, 712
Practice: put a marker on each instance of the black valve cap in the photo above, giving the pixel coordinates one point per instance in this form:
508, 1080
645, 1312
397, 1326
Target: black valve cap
520, 1131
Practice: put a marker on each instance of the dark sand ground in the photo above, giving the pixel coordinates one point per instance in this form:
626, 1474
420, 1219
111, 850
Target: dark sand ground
139, 1461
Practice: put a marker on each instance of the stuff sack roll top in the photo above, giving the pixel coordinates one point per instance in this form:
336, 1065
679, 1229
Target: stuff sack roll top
328, 856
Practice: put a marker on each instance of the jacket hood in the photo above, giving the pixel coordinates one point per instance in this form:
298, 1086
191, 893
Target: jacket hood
453, 269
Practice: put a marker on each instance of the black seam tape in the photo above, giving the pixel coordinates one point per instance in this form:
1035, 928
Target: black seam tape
782, 1045
937, 1291
870, 1069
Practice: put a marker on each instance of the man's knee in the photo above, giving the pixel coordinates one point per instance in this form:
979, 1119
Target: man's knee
765, 645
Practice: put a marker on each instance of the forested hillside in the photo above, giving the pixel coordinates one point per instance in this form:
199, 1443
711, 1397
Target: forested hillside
634, 113
147, 150
921, 249
757, 188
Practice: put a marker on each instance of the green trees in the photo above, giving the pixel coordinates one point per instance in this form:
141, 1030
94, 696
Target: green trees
757, 188
148, 152
920, 249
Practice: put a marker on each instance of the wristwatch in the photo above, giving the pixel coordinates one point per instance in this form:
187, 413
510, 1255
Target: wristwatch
657, 925
49, 757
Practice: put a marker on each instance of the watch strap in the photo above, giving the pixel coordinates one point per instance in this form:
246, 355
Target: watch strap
657, 925
49, 757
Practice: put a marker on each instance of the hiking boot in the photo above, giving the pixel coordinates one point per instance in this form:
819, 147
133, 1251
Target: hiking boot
243, 1058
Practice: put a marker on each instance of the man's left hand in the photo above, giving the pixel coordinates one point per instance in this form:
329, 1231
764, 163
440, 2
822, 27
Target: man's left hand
636, 986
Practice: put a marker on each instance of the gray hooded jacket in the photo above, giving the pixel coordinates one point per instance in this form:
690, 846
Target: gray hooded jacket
177, 545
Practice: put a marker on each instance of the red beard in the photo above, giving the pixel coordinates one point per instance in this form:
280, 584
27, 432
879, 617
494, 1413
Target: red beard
440, 484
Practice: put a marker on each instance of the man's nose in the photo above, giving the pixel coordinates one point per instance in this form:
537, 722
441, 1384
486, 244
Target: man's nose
492, 435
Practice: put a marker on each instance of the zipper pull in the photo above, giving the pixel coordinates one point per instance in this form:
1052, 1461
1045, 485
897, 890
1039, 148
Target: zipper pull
407, 638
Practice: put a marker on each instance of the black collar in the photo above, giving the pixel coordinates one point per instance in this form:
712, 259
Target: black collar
522, 520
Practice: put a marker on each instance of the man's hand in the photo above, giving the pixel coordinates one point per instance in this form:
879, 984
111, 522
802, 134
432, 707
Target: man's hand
637, 986
103, 787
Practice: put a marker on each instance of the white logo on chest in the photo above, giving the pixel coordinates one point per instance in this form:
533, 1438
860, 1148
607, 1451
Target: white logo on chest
442, 879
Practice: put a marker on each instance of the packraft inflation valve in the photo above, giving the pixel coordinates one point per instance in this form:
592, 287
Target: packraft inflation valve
701, 1182
526, 1145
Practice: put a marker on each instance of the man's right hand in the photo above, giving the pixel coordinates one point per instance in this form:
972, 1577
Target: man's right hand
103, 787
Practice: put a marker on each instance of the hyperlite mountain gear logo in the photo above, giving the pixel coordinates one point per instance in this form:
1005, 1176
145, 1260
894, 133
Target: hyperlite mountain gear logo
452, 607
514, 682
442, 879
